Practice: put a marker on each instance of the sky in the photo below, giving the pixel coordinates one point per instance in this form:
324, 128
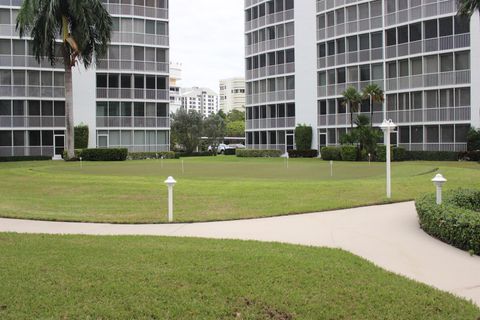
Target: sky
207, 38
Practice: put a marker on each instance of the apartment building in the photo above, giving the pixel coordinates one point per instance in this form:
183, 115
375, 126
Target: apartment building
175, 95
202, 100
232, 94
418, 51
124, 99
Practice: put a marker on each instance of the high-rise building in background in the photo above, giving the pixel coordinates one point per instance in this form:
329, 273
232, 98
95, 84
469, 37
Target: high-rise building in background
202, 100
175, 89
124, 99
232, 94
302, 55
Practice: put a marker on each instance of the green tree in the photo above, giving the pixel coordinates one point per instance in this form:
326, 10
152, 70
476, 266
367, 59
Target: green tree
222, 114
214, 129
303, 137
363, 135
352, 98
235, 129
236, 115
374, 94
187, 128
468, 7
473, 140
84, 27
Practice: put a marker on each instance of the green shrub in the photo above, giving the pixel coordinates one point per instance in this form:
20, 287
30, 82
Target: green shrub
24, 158
193, 154
151, 155
250, 153
229, 152
431, 155
456, 221
81, 137
397, 153
331, 153
469, 156
473, 140
104, 154
303, 153
348, 153
303, 137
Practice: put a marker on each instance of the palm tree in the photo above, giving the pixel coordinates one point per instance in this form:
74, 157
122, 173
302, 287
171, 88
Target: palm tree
468, 7
82, 26
353, 99
373, 93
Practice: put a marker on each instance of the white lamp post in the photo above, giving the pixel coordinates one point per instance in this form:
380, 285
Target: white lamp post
170, 182
388, 127
439, 181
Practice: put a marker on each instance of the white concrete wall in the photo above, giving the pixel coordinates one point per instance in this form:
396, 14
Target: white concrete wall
305, 66
475, 74
84, 101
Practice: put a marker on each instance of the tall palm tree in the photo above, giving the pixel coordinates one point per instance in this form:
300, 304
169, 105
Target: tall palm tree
353, 99
468, 7
82, 26
373, 93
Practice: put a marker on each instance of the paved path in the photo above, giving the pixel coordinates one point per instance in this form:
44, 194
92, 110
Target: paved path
387, 235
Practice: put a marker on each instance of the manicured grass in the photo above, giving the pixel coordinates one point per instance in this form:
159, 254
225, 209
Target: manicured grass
81, 277
218, 188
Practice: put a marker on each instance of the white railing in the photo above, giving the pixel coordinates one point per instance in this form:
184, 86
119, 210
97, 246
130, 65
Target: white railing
269, 19
283, 95
281, 147
421, 12
133, 65
32, 91
339, 88
32, 121
132, 122
270, 123
438, 146
272, 44
270, 71
10, 151
429, 80
143, 94
142, 11
428, 45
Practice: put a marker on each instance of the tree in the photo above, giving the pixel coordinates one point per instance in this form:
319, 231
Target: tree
84, 26
468, 7
303, 137
187, 129
222, 114
353, 99
235, 115
235, 129
373, 93
214, 129
364, 135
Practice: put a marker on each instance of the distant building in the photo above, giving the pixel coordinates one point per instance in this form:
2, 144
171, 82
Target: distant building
232, 94
175, 77
203, 100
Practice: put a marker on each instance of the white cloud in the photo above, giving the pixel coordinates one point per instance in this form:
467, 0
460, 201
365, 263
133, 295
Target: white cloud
207, 38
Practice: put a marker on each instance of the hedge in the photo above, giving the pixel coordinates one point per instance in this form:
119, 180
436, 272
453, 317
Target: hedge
456, 221
25, 158
431, 155
348, 153
303, 137
250, 153
151, 155
229, 152
397, 153
119, 154
303, 153
331, 153
193, 154
469, 156
81, 137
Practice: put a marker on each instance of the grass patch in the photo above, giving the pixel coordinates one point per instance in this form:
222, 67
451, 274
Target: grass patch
213, 188
72, 277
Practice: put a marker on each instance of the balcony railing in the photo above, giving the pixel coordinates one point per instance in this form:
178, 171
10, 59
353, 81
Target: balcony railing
350, 57
271, 71
130, 65
270, 123
270, 45
132, 10
338, 89
144, 148
7, 60
32, 121
421, 12
429, 80
32, 91
140, 38
133, 122
284, 95
436, 146
348, 27
141, 94
269, 19
26, 151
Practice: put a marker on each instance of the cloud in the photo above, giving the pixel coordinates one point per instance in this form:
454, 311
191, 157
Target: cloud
207, 38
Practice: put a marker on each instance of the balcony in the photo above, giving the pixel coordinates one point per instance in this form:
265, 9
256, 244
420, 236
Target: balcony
437, 146
32, 91
20, 151
270, 123
132, 10
134, 66
280, 147
269, 19
140, 38
140, 94
133, 122
268, 45
32, 121
349, 27
275, 96
461, 77
338, 89
421, 12
270, 71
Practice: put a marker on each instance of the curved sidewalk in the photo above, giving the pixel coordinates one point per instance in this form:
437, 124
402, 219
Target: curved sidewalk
387, 235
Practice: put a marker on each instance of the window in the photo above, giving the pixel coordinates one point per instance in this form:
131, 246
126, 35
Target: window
4, 16
404, 133
447, 133
149, 27
376, 40
462, 97
365, 72
5, 138
102, 110
377, 71
417, 134
462, 60
352, 44
415, 32
331, 48
446, 62
402, 34
432, 134
364, 41
5, 108
431, 64
446, 98
47, 108
431, 29
59, 108
34, 138
290, 55
417, 100
446, 27
416, 65
462, 25
431, 99
391, 35
340, 45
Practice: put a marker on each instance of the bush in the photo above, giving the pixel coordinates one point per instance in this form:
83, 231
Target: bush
469, 156
348, 153
303, 153
151, 155
456, 221
397, 154
81, 137
331, 153
24, 158
431, 156
193, 154
229, 152
104, 154
303, 137
250, 153
473, 140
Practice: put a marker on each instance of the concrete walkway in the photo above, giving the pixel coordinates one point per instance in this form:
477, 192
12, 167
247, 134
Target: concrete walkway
388, 235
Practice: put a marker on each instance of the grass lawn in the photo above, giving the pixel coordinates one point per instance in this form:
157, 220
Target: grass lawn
218, 188
81, 277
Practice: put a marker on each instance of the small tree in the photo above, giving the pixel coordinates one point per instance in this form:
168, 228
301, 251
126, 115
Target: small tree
81, 136
303, 137
363, 135
187, 129
473, 140
214, 129
235, 115
235, 129
352, 98
373, 93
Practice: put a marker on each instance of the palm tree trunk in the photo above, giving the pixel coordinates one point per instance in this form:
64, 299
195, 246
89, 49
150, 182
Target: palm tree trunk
351, 116
69, 137
371, 113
